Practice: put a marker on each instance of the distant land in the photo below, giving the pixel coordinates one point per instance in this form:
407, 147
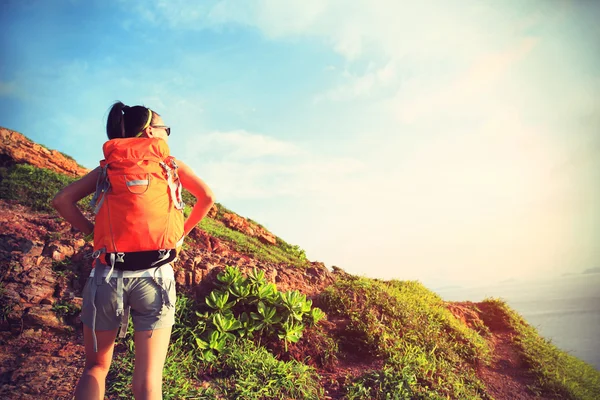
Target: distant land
595, 270
592, 271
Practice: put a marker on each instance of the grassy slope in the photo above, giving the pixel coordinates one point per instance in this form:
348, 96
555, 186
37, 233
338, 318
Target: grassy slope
425, 351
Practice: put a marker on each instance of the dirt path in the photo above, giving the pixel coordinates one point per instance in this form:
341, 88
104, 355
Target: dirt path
507, 377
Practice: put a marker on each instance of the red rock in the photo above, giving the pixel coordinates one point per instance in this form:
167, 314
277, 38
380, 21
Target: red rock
36, 292
241, 224
180, 278
238, 223
267, 237
43, 316
22, 150
214, 210
197, 276
216, 246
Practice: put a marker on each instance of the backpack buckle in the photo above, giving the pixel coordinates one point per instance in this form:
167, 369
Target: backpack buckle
120, 257
98, 252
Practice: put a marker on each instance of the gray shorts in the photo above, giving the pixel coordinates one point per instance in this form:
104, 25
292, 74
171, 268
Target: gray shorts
145, 298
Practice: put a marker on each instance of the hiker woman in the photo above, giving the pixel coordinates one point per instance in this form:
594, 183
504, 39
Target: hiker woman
138, 230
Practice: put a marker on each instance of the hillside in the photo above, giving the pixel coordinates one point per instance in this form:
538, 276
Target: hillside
376, 339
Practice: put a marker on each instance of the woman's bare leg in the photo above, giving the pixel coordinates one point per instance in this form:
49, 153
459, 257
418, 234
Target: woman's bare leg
150, 353
91, 385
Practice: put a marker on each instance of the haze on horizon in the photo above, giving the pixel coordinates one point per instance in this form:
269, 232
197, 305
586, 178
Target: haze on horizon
452, 144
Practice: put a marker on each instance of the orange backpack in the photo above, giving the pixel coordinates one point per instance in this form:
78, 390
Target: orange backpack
138, 205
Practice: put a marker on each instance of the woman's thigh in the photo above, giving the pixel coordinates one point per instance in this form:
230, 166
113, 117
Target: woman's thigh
150, 353
106, 345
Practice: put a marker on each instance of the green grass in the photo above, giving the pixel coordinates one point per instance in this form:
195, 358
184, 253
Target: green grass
395, 383
33, 187
425, 349
6, 305
64, 308
251, 245
559, 373
257, 374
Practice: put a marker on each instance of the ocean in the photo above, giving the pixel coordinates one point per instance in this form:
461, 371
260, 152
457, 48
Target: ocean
565, 310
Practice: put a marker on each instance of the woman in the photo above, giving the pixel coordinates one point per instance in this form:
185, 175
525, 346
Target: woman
152, 314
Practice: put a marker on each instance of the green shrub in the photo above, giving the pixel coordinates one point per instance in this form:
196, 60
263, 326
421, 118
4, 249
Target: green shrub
242, 307
294, 250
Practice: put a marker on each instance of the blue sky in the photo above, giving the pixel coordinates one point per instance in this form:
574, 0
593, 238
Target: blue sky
453, 142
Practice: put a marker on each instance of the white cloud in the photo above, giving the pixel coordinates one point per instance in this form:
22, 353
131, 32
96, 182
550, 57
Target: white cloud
314, 177
390, 34
243, 145
248, 165
357, 86
469, 93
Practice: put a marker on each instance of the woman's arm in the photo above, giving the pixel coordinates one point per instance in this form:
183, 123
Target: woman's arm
65, 201
200, 190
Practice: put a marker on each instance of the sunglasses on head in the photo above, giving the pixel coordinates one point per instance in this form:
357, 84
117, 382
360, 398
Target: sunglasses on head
165, 127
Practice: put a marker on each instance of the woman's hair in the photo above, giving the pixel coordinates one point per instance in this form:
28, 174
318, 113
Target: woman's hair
126, 122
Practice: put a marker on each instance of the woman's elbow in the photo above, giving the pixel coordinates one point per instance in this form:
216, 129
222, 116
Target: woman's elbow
57, 201
210, 198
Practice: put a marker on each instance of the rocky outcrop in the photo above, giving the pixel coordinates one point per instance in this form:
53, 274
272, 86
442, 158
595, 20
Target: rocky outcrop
204, 241
241, 224
16, 148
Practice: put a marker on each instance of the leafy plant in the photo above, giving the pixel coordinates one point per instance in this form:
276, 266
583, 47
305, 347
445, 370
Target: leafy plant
291, 332
316, 315
242, 307
218, 301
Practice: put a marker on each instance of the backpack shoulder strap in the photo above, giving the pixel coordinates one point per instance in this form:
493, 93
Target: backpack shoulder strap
170, 167
102, 187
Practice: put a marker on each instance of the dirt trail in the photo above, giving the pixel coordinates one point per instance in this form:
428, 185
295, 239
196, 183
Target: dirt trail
507, 377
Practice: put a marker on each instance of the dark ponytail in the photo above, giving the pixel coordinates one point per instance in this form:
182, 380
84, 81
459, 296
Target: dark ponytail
125, 122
